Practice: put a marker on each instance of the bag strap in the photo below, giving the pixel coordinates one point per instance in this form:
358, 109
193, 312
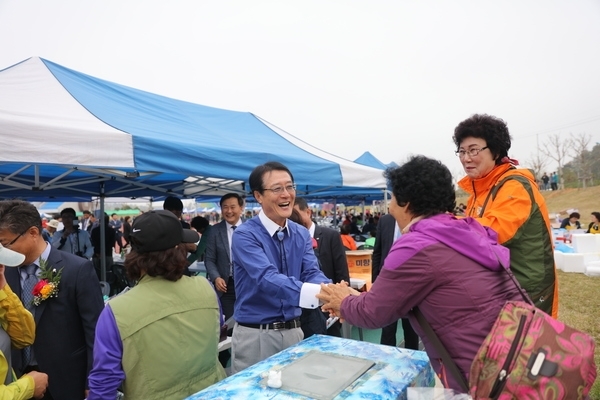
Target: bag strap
514, 280
439, 347
492, 194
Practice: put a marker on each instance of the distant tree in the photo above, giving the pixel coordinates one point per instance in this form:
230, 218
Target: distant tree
557, 148
537, 163
585, 165
583, 160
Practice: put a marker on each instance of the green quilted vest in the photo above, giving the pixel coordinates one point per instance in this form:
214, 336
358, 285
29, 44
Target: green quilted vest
170, 332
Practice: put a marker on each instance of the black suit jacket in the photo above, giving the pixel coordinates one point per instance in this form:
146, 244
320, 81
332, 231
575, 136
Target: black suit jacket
65, 325
217, 257
332, 255
383, 243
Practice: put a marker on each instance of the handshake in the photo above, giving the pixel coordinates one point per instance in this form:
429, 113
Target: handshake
328, 296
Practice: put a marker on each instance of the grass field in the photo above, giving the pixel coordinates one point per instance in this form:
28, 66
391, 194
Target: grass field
579, 295
579, 307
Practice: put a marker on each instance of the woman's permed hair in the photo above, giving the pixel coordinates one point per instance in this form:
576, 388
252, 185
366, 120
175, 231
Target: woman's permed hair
489, 128
425, 184
169, 264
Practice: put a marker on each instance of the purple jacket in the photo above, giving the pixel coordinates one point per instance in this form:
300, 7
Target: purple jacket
449, 268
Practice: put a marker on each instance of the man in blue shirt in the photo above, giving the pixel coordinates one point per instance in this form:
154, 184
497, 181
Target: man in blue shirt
275, 269
72, 239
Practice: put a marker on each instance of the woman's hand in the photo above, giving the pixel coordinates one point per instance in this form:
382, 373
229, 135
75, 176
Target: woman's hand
333, 295
2, 278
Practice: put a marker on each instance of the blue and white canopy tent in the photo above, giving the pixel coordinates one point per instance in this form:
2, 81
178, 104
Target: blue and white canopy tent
69, 136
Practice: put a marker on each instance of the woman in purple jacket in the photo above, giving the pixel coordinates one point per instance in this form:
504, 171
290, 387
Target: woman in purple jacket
448, 267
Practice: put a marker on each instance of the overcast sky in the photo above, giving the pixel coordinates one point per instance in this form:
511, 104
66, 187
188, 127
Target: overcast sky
390, 77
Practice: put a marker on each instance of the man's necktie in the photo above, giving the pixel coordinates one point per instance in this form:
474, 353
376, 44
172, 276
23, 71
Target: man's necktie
230, 253
280, 235
27, 297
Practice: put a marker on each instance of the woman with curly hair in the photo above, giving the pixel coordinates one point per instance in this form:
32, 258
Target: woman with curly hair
508, 200
450, 268
160, 339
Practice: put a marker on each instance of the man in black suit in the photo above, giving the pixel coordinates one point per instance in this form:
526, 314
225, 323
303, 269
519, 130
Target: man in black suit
217, 257
329, 251
387, 232
64, 324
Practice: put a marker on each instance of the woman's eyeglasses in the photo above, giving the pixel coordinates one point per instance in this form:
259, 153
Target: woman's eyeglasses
471, 152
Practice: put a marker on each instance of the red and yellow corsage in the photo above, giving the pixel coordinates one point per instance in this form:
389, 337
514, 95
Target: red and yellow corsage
48, 285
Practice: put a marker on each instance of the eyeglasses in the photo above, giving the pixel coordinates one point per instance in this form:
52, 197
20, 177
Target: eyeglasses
9, 245
279, 189
470, 152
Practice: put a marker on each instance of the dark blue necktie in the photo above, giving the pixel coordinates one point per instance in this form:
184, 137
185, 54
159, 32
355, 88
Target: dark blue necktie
27, 297
231, 254
280, 236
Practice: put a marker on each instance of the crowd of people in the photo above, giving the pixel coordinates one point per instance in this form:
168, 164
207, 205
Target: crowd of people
272, 279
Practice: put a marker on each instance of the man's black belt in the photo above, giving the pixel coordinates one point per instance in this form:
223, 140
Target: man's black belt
276, 326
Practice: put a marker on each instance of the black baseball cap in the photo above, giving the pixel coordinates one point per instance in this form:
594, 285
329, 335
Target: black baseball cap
159, 230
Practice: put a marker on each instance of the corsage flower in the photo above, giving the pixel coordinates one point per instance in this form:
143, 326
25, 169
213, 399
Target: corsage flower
48, 285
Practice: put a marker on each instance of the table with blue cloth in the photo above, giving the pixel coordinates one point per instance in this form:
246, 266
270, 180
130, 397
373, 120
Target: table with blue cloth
394, 371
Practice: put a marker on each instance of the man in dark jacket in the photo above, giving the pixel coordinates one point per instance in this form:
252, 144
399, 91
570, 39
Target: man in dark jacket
329, 251
387, 233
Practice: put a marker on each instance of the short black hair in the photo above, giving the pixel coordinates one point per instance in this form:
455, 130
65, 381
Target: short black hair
301, 203
87, 212
597, 215
256, 176
199, 223
17, 216
68, 210
425, 184
575, 215
173, 203
227, 196
489, 128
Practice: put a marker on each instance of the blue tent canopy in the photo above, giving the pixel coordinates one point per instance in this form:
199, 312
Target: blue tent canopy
74, 136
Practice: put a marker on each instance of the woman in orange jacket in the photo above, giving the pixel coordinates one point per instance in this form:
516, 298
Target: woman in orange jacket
508, 200
347, 240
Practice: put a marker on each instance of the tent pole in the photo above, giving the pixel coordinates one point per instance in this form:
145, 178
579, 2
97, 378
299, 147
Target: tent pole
102, 236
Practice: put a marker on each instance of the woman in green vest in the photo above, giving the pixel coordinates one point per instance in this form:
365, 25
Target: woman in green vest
160, 339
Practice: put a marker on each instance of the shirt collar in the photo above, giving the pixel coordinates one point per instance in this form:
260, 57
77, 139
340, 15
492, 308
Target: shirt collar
236, 225
312, 229
271, 226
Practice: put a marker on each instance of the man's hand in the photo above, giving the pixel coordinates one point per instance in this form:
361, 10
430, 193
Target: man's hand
221, 285
2, 278
40, 384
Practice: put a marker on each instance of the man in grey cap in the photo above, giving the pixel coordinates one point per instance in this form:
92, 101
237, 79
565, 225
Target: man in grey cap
19, 333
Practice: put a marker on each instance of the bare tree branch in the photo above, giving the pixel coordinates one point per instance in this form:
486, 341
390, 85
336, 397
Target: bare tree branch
557, 148
537, 163
582, 158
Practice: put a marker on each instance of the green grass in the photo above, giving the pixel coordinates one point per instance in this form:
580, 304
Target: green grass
579, 307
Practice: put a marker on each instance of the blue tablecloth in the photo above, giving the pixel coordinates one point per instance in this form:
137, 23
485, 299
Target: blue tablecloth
394, 371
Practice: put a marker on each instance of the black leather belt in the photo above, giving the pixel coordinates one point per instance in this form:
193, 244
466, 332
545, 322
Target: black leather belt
276, 326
